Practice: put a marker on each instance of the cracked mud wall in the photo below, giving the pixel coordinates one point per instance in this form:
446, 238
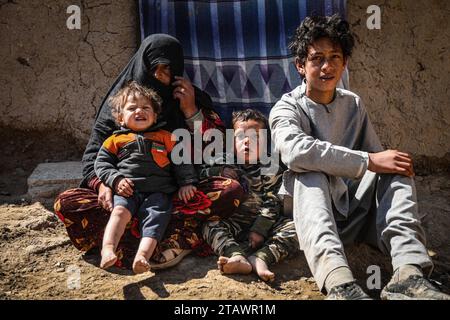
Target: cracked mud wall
402, 72
54, 78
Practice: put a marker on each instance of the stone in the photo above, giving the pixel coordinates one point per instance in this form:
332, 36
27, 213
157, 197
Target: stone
49, 179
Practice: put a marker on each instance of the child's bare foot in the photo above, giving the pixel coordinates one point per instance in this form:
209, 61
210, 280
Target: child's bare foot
140, 265
109, 258
236, 264
261, 269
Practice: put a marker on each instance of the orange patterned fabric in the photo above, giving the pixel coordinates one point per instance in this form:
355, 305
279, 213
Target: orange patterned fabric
85, 220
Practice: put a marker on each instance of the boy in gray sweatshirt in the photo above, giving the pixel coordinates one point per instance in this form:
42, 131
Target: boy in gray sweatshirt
346, 188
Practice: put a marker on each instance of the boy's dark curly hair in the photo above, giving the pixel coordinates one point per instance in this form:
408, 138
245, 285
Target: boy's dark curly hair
313, 28
132, 88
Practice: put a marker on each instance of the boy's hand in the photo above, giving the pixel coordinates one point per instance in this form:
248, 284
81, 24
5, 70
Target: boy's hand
230, 173
105, 195
391, 161
255, 240
186, 192
124, 187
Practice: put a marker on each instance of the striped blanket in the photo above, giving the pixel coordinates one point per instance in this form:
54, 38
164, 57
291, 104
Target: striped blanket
236, 50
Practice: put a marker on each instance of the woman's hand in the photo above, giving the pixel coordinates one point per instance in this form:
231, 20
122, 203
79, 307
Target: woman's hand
124, 187
184, 91
391, 161
186, 192
105, 195
255, 240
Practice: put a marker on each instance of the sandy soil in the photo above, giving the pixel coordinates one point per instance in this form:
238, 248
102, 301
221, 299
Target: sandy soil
37, 260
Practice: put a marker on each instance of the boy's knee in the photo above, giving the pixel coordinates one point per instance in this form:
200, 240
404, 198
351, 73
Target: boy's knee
396, 182
395, 177
121, 213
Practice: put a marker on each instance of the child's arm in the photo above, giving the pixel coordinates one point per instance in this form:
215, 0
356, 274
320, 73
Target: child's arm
104, 127
218, 168
184, 173
205, 171
227, 171
301, 152
106, 164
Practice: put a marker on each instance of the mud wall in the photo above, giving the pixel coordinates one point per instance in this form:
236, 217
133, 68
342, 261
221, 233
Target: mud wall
402, 72
54, 78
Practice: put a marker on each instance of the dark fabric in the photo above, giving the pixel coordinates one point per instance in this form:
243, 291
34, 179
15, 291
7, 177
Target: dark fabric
154, 49
85, 220
153, 211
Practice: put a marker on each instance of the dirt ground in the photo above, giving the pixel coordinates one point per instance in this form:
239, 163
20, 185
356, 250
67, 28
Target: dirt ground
37, 260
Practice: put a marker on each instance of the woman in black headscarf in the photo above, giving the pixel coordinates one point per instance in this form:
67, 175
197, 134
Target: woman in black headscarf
158, 64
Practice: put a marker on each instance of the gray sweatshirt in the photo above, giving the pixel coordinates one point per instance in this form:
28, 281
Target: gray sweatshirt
333, 139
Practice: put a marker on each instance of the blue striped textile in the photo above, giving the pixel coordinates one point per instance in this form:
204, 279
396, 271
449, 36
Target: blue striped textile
236, 50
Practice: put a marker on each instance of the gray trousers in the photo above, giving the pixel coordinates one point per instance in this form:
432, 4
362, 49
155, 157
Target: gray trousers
382, 211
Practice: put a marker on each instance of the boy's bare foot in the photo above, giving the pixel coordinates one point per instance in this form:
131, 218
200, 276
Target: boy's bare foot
236, 264
140, 265
261, 269
109, 258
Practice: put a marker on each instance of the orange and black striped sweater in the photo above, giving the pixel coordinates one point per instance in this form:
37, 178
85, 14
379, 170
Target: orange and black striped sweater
144, 158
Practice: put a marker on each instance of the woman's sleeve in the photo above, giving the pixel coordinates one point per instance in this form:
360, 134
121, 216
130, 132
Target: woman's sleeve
206, 118
94, 183
206, 115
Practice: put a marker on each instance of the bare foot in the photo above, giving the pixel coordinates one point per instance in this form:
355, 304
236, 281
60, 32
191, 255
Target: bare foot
261, 269
140, 265
236, 264
109, 258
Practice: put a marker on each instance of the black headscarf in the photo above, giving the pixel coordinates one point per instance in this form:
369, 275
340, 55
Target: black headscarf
155, 49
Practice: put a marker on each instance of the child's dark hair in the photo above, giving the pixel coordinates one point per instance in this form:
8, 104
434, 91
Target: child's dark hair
118, 100
249, 114
313, 28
